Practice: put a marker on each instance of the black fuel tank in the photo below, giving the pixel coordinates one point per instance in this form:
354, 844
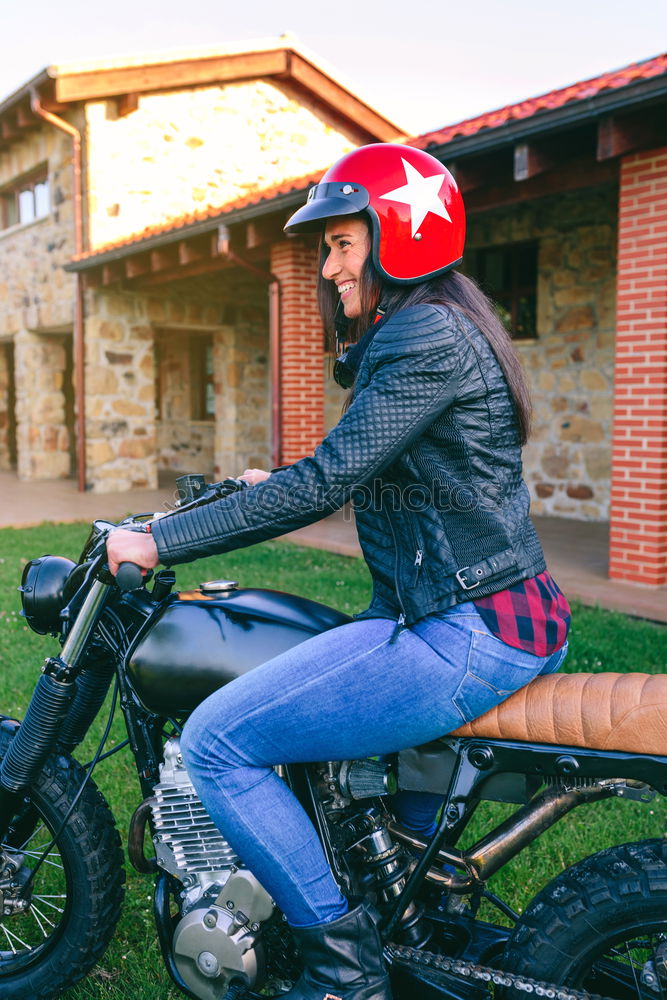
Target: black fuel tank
200, 642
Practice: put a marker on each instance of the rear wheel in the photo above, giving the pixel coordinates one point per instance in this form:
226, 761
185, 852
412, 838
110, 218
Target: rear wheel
57, 917
601, 926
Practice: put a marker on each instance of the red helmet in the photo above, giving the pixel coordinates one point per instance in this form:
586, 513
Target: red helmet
412, 200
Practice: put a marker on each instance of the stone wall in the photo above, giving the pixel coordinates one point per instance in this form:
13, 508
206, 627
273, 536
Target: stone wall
243, 390
570, 365
43, 438
35, 292
181, 151
124, 445
186, 446
120, 394
183, 444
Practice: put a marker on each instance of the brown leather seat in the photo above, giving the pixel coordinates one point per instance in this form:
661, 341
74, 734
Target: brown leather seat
600, 711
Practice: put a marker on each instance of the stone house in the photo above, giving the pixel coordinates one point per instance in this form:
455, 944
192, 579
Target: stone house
212, 313
163, 363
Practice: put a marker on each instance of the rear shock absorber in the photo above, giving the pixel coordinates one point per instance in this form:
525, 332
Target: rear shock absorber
387, 865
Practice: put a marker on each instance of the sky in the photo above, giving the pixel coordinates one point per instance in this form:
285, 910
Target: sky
422, 63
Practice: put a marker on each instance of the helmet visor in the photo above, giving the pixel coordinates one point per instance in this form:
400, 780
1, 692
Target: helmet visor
325, 201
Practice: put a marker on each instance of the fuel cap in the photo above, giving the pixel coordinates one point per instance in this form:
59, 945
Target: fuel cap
218, 586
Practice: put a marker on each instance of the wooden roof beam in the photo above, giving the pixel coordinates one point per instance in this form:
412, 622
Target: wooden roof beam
618, 135
25, 119
531, 160
8, 128
137, 265
472, 174
262, 232
164, 258
126, 104
112, 272
92, 279
190, 251
182, 271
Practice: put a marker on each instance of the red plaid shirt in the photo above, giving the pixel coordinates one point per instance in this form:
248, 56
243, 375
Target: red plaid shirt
533, 616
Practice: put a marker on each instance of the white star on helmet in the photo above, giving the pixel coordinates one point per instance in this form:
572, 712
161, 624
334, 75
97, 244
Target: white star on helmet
421, 194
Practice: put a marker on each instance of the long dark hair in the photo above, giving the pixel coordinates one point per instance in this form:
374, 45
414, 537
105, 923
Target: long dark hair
452, 289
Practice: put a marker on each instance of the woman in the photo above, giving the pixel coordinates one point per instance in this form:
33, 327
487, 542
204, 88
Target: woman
463, 612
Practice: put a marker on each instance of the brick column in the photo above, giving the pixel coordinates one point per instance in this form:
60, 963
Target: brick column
638, 543
301, 362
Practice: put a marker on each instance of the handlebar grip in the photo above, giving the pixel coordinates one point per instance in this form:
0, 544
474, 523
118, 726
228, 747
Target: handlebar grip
129, 576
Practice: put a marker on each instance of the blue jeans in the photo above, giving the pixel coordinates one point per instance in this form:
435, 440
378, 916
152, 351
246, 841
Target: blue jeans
349, 693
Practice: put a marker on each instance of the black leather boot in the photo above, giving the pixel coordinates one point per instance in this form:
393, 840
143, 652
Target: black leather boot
342, 959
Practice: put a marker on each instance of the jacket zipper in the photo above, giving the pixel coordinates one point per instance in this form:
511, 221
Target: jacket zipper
400, 622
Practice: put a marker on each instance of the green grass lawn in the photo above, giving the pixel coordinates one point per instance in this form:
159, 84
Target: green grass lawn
600, 640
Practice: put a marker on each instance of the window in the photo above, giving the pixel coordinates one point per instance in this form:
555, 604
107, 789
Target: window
25, 201
508, 274
201, 374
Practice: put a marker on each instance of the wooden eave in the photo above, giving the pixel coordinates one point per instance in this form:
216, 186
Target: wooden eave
90, 85
16, 115
280, 64
203, 247
532, 159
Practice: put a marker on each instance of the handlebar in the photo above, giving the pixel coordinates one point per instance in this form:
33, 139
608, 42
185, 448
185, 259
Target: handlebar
129, 576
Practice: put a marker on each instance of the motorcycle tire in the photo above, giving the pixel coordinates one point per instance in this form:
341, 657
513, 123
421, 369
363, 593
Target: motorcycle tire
76, 896
600, 926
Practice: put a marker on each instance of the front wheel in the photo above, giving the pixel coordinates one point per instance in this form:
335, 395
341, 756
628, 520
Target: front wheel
600, 926
56, 918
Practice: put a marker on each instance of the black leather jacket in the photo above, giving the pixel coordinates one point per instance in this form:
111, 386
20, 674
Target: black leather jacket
428, 452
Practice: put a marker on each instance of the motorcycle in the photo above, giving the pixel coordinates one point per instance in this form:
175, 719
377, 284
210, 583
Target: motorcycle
600, 927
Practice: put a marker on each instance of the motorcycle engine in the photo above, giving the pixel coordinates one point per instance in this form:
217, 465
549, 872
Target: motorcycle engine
222, 904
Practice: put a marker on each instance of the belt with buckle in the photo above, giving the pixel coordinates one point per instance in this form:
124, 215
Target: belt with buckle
470, 577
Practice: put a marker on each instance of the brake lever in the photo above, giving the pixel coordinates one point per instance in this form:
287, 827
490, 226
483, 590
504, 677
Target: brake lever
214, 491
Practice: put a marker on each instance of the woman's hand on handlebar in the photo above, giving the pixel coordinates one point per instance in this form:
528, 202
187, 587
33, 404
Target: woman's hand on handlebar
254, 476
131, 546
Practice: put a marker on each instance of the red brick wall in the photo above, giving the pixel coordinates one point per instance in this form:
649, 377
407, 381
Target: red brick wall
301, 383
638, 544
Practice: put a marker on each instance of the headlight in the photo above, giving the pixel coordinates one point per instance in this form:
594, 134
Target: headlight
42, 592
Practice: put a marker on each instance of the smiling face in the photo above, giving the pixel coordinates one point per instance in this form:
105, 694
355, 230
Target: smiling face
348, 241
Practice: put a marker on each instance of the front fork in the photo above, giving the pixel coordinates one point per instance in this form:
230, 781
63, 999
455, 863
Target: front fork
48, 708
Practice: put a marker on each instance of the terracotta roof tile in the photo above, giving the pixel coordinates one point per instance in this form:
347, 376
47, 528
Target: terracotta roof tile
546, 102
210, 212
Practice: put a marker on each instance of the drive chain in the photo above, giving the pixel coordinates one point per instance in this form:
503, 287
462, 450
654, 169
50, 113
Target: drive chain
483, 974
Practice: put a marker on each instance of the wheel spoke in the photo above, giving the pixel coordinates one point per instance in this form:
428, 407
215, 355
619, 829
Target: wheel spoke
37, 832
632, 966
36, 854
9, 935
39, 917
46, 901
